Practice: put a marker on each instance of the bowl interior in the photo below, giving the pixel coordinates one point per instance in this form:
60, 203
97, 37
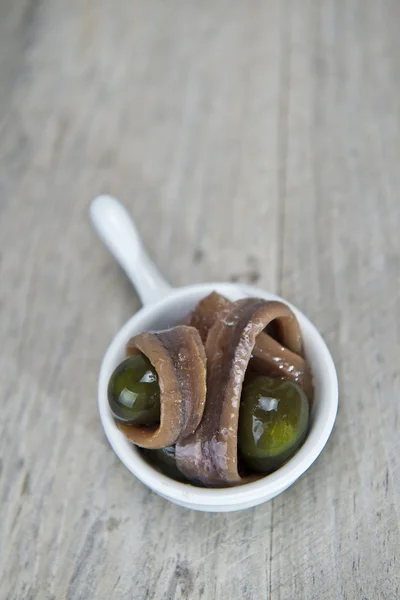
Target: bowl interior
169, 312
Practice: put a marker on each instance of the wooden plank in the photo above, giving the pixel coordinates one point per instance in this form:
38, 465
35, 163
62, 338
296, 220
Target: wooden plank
339, 525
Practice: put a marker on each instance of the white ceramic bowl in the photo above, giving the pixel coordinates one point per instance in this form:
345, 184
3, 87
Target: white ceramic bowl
165, 307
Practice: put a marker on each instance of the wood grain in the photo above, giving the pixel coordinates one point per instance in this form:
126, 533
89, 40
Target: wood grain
252, 141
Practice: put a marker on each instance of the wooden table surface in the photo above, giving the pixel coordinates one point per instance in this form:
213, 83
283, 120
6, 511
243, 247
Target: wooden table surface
254, 141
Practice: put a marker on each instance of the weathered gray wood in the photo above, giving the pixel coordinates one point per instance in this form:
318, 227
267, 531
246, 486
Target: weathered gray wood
341, 264
256, 141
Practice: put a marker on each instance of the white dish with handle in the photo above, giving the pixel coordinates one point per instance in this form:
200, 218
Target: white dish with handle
163, 307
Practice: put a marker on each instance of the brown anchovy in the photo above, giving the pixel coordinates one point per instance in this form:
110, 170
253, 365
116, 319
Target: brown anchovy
205, 313
269, 357
209, 456
178, 356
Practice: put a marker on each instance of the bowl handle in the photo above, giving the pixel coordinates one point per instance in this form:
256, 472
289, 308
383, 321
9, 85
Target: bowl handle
117, 230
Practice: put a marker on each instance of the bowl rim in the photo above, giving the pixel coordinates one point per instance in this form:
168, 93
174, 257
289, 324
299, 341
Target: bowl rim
264, 488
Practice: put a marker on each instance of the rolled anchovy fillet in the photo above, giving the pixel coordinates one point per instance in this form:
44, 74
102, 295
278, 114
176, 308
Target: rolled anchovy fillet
205, 313
210, 455
179, 359
269, 357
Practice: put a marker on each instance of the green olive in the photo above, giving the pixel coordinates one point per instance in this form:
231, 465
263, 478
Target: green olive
134, 393
164, 461
273, 422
